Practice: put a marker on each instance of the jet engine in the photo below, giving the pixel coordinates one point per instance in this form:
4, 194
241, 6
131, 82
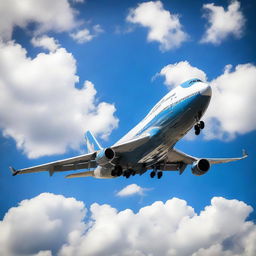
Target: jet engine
104, 156
200, 167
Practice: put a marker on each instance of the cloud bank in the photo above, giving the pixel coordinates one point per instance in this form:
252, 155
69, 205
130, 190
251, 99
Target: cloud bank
235, 89
223, 23
54, 225
163, 26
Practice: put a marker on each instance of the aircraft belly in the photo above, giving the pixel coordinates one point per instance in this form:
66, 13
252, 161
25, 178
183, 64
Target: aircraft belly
173, 125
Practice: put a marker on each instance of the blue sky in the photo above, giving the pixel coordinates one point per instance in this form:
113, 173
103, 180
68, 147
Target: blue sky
120, 62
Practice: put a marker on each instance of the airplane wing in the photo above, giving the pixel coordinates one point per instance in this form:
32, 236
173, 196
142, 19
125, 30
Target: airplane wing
74, 163
85, 161
177, 160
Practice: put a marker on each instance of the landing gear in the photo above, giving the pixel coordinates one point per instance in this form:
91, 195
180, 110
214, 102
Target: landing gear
202, 124
198, 127
128, 173
159, 175
154, 173
117, 171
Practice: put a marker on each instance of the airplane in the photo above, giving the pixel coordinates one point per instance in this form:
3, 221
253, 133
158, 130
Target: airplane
150, 144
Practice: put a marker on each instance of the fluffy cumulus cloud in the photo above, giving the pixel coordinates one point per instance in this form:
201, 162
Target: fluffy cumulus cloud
163, 26
130, 190
234, 89
54, 225
46, 14
84, 35
40, 107
41, 225
223, 23
175, 74
45, 42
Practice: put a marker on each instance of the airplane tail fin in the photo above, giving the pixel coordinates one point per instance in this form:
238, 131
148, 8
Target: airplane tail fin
92, 144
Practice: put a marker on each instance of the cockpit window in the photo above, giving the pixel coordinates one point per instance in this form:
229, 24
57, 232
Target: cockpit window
190, 82
194, 80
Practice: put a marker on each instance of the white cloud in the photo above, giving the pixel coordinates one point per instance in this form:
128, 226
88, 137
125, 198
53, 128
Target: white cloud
46, 42
177, 73
220, 229
223, 23
98, 29
232, 103
41, 225
48, 15
163, 26
84, 35
130, 190
40, 107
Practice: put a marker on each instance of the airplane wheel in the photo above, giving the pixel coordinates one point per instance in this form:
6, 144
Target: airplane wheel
197, 132
201, 124
197, 127
127, 175
152, 174
133, 173
159, 175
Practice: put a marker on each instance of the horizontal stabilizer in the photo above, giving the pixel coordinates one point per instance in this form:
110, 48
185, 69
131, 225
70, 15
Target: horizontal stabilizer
81, 174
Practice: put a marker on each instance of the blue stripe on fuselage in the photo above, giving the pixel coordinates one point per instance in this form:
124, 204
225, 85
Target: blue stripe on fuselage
170, 114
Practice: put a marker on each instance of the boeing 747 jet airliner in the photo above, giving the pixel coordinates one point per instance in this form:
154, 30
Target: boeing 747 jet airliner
150, 144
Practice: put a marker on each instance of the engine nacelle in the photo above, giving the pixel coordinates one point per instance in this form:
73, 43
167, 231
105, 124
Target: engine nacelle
104, 156
200, 167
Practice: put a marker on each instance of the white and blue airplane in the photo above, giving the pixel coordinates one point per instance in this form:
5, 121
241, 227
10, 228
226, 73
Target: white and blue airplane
150, 144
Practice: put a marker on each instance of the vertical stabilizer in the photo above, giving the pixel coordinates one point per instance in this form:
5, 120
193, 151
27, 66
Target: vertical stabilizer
92, 144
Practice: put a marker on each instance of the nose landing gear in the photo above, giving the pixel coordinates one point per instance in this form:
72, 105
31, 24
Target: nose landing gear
198, 127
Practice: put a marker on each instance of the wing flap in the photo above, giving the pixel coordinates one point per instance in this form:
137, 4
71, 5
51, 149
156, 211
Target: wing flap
81, 174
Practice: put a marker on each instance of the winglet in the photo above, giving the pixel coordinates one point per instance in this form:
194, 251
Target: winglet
14, 172
92, 144
245, 154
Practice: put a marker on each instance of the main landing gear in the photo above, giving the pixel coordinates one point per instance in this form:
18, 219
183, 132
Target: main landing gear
128, 173
118, 171
198, 127
158, 173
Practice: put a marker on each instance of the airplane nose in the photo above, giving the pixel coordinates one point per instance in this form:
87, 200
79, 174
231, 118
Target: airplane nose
206, 90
